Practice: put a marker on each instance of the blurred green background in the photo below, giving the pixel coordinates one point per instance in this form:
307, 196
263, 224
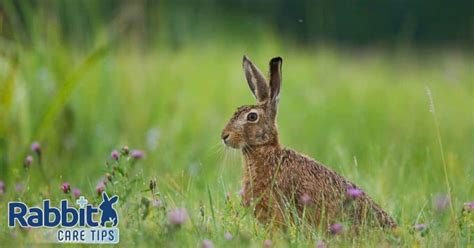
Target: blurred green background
85, 77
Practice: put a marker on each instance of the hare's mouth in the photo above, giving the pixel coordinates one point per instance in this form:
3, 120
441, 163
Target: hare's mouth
228, 141
231, 144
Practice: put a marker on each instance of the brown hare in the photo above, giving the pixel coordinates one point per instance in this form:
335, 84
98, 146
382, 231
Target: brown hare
276, 178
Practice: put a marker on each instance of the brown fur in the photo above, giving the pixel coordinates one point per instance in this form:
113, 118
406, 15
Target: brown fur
275, 177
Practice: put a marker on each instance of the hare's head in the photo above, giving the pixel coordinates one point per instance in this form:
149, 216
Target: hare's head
254, 125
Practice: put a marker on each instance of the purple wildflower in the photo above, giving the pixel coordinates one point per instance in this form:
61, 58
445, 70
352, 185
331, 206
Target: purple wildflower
156, 203
354, 193
76, 192
178, 216
19, 187
336, 229
137, 154
100, 187
228, 236
207, 244
441, 202
27, 162
241, 192
36, 147
321, 244
420, 227
469, 206
305, 199
115, 155
2, 187
267, 243
66, 187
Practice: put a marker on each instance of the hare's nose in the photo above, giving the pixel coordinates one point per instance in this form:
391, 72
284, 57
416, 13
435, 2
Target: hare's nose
224, 136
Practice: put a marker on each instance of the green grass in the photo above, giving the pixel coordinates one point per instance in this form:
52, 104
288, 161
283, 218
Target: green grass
366, 114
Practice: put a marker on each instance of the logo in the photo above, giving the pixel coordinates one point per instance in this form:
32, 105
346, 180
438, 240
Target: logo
73, 225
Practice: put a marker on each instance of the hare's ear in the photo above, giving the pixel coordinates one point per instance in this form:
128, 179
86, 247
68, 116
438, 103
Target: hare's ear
257, 83
105, 197
275, 84
113, 200
275, 78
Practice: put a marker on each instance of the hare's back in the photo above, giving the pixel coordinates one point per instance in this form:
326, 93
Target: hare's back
310, 174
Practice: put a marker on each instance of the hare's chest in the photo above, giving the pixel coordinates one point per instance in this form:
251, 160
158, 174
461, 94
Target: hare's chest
258, 181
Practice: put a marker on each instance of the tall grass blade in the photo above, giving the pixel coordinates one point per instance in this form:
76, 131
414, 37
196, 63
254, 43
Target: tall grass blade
63, 95
440, 143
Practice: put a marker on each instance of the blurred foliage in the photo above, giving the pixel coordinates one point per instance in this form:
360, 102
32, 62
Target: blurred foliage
347, 22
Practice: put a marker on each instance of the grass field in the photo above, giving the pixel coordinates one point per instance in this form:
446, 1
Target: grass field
398, 123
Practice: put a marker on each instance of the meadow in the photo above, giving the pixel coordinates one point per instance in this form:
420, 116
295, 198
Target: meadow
399, 123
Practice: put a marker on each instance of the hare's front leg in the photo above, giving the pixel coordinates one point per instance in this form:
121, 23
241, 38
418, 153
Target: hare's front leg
246, 193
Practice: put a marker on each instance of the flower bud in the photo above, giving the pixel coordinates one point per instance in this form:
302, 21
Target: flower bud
28, 161
36, 147
115, 155
66, 187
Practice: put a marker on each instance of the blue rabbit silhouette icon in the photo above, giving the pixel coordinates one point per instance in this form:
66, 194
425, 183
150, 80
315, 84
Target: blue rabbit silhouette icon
108, 212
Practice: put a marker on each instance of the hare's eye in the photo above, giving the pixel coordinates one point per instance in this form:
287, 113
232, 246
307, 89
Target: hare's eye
252, 117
